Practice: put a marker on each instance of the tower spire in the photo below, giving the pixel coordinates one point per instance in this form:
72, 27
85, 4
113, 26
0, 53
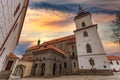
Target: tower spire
38, 42
81, 13
80, 9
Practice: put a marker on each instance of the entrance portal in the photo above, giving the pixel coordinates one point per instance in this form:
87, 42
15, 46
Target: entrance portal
54, 69
34, 69
60, 69
43, 70
9, 65
18, 71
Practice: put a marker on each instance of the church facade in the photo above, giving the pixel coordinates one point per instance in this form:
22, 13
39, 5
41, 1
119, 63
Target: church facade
91, 54
81, 53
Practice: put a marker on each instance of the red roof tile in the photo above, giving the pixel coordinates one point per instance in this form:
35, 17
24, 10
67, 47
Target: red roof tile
51, 47
113, 57
60, 39
52, 42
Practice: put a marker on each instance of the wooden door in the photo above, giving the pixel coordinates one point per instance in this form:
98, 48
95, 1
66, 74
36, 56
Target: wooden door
9, 65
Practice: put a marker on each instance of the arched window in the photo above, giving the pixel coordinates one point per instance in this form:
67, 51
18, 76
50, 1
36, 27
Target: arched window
83, 24
74, 65
117, 62
73, 54
65, 65
88, 48
85, 34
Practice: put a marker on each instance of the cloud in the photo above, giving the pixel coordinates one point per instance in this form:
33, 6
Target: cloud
48, 6
102, 18
73, 7
111, 47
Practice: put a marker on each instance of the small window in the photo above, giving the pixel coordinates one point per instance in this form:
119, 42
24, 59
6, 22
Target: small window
85, 34
17, 9
114, 69
72, 47
104, 66
117, 62
73, 54
83, 24
111, 62
88, 48
81, 66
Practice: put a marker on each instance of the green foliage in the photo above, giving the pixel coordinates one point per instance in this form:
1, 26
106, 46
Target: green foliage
116, 29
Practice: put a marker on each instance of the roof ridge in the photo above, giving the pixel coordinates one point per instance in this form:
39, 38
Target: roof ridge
52, 41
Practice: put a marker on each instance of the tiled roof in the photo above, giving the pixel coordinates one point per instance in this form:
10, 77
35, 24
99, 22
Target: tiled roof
52, 42
113, 57
60, 39
11, 55
33, 47
50, 47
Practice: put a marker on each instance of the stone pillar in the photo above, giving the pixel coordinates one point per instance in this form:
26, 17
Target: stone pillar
38, 70
48, 69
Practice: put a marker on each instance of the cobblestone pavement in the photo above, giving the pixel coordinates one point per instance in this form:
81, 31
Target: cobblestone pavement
115, 77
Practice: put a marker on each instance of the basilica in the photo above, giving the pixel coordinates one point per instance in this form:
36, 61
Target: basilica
78, 54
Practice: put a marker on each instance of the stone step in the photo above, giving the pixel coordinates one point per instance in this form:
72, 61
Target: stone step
4, 75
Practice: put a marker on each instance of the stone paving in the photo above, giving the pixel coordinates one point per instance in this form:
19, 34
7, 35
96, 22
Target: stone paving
115, 77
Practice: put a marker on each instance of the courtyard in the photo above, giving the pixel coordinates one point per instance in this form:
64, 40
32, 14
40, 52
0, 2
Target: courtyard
75, 77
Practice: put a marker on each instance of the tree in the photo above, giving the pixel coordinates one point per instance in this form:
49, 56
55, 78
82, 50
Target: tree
116, 29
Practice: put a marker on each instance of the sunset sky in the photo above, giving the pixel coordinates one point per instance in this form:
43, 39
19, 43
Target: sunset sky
50, 19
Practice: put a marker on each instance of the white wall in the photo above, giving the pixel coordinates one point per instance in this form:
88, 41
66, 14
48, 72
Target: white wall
100, 62
86, 19
7, 20
93, 39
115, 65
28, 67
98, 53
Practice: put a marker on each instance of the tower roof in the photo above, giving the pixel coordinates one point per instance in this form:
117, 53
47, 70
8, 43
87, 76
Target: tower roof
81, 13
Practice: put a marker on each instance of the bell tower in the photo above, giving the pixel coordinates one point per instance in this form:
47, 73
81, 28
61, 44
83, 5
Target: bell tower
91, 54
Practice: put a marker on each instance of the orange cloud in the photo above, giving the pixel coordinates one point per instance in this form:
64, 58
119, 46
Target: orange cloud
111, 47
103, 18
46, 25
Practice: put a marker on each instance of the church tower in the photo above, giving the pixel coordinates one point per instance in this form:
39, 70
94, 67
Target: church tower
91, 55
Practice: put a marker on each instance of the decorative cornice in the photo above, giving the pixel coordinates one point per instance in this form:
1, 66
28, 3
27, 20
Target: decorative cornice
80, 15
86, 27
91, 54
